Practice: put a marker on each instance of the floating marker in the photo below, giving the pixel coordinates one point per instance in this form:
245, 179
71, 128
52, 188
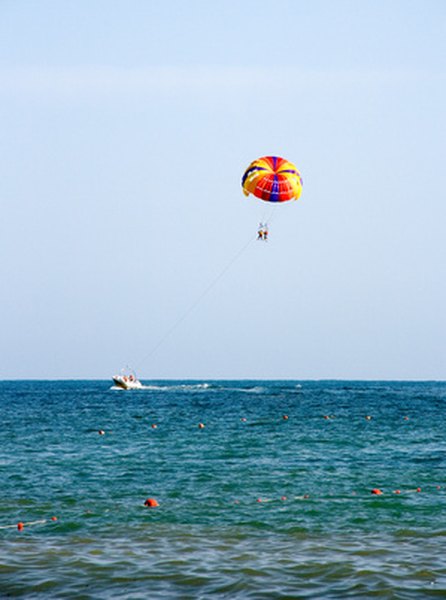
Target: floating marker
151, 503
417, 490
21, 525
376, 492
200, 425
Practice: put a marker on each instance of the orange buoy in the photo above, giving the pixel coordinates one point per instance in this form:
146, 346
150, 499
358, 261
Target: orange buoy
54, 518
418, 489
397, 492
368, 418
151, 503
200, 425
283, 498
101, 432
285, 417
376, 491
154, 426
20, 526
243, 419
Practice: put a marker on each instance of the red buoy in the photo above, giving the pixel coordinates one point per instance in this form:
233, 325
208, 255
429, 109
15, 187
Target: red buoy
151, 503
376, 491
20, 526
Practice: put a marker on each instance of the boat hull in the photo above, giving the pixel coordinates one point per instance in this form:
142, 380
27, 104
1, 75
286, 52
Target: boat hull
126, 384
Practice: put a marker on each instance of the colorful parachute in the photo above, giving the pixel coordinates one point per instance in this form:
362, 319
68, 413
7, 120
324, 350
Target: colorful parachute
272, 179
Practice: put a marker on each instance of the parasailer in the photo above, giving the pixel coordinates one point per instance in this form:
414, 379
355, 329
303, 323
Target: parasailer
262, 232
272, 179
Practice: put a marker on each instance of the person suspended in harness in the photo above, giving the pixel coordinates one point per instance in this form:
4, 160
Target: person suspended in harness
262, 232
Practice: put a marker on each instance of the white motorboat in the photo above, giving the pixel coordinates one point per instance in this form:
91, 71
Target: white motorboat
127, 380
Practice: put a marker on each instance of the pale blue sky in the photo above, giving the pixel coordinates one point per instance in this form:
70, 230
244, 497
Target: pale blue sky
126, 127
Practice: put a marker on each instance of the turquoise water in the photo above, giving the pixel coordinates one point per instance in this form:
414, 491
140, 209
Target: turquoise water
253, 505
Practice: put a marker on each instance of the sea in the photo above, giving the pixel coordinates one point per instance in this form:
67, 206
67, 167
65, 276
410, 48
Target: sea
258, 490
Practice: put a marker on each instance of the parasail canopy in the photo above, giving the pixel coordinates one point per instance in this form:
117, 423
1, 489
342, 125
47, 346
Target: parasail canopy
273, 179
